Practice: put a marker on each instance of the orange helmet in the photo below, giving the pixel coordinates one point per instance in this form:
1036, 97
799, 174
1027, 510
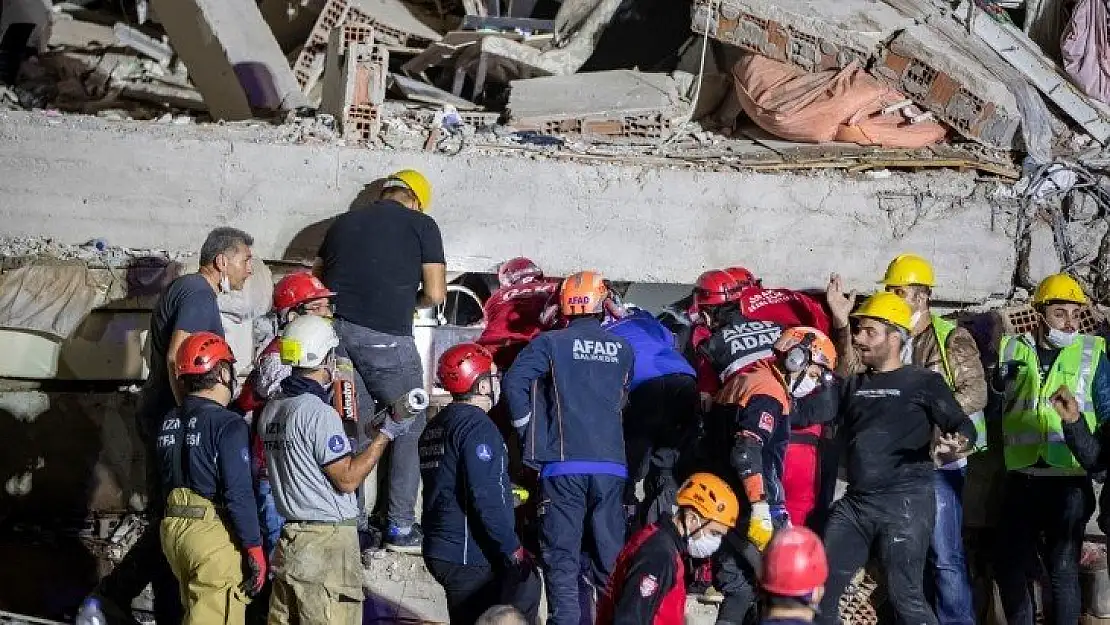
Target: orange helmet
711, 497
802, 346
583, 293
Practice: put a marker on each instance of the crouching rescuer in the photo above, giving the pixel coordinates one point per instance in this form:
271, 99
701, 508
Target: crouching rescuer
648, 584
470, 546
793, 579
756, 406
211, 528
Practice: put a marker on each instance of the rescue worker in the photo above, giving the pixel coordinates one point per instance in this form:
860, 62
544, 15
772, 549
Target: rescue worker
757, 404
384, 260
1047, 492
744, 328
314, 473
648, 582
793, 579
886, 420
295, 295
938, 345
513, 311
566, 392
470, 546
210, 529
662, 402
187, 306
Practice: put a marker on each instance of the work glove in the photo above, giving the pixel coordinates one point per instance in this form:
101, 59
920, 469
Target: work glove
520, 495
254, 564
392, 428
760, 527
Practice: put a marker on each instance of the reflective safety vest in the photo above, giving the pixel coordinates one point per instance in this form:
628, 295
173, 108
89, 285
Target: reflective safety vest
944, 329
1030, 424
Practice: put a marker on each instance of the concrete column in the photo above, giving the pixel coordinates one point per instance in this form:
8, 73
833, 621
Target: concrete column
232, 56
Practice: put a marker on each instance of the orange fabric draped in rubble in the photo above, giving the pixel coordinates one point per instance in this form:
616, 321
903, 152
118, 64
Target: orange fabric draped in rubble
843, 105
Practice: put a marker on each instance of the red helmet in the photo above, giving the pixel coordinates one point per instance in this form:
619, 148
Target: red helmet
715, 287
514, 270
794, 565
298, 288
461, 366
742, 276
201, 352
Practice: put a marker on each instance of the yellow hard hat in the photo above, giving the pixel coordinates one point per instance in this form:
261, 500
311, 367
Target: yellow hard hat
887, 307
909, 269
418, 184
1059, 287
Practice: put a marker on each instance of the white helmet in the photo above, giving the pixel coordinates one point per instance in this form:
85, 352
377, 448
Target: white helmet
307, 342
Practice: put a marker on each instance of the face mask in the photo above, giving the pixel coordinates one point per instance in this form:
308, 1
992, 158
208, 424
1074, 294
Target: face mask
1061, 339
703, 546
804, 387
225, 284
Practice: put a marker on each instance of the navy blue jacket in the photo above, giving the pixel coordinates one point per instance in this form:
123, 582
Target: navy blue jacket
566, 391
468, 503
653, 345
215, 445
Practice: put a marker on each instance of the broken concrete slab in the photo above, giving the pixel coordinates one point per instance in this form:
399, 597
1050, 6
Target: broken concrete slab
811, 34
393, 25
576, 34
617, 102
959, 89
931, 65
277, 192
1026, 57
38, 13
232, 56
418, 91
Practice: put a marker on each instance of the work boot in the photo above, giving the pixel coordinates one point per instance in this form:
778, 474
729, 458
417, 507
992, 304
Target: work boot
410, 542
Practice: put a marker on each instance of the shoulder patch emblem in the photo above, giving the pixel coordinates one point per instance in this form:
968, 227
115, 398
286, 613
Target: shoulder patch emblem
337, 443
649, 584
484, 453
767, 422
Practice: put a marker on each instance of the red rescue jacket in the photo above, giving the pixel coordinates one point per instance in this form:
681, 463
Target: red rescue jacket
513, 314
648, 581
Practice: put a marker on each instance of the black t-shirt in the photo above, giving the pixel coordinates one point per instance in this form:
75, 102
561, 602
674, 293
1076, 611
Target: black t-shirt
187, 304
887, 423
373, 259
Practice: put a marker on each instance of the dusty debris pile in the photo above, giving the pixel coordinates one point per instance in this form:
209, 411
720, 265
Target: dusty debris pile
743, 83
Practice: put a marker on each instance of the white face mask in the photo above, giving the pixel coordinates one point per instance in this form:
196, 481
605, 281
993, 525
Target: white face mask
804, 387
1061, 339
703, 546
225, 284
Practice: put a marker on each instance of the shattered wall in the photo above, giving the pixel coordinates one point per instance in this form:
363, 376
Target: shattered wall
166, 186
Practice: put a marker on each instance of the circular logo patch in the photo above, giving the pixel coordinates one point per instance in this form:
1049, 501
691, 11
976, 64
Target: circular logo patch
485, 454
337, 443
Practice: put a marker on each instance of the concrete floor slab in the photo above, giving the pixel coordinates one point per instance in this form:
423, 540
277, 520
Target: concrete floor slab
164, 186
616, 93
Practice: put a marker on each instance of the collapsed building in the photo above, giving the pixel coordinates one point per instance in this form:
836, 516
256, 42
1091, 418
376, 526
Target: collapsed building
649, 139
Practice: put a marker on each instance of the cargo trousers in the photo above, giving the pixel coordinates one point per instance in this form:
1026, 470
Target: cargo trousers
205, 560
317, 575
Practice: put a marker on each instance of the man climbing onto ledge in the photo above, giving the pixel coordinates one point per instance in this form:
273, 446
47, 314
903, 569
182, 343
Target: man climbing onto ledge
383, 261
